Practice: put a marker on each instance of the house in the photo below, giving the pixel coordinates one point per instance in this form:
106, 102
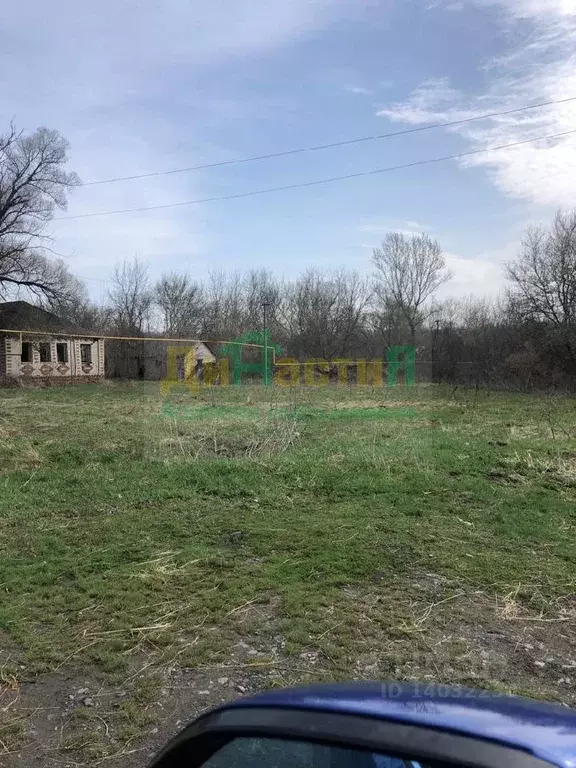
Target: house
36, 345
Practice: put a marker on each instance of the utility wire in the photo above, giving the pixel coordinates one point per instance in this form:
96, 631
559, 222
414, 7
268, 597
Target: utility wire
317, 147
59, 334
316, 182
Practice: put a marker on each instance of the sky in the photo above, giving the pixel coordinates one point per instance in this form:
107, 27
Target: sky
139, 86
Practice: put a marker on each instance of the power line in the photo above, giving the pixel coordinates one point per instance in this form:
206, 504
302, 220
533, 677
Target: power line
377, 137
316, 182
21, 332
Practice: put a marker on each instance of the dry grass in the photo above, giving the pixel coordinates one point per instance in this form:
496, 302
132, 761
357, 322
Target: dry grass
187, 441
274, 537
562, 465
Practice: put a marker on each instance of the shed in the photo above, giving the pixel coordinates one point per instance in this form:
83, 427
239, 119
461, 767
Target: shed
146, 358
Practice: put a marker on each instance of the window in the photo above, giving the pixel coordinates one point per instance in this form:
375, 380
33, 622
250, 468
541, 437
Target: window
86, 354
261, 752
45, 352
26, 356
62, 352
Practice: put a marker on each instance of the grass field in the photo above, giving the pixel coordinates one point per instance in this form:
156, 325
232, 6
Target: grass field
158, 557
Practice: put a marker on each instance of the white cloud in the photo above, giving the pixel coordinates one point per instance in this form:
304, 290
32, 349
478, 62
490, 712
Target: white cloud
121, 81
133, 34
94, 245
538, 68
526, 9
358, 90
480, 276
381, 226
449, 5
431, 101
521, 9
416, 225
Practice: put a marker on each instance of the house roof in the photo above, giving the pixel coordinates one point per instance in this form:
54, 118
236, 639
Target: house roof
210, 347
22, 316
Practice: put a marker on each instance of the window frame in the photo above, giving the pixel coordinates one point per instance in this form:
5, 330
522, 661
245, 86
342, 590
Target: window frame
45, 348
59, 346
30, 349
83, 347
404, 740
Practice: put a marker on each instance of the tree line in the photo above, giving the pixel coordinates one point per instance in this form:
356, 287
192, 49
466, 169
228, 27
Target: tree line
524, 339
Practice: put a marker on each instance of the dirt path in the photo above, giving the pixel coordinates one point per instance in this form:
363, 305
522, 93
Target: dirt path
70, 717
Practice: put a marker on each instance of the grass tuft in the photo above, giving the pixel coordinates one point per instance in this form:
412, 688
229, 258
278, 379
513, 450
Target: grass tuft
274, 536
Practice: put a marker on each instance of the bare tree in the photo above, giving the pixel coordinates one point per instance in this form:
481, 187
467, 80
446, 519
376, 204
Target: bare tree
72, 303
408, 272
131, 298
385, 326
180, 302
224, 313
322, 314
33, 184
259, 287
544, 276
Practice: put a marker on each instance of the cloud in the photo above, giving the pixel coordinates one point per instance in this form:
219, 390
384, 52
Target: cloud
358, 90
92, 246
480, 276
519, 9
115, 56
382, 226
529, 9
416, 225
131, 85
451, 5
538, 67
431, 101
133, 33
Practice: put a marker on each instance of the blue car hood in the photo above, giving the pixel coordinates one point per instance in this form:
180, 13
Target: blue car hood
546, 731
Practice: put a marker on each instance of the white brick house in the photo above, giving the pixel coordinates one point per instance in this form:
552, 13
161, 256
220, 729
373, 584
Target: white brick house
38, 345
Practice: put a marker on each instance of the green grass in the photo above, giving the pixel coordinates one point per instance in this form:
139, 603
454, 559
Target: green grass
133, 534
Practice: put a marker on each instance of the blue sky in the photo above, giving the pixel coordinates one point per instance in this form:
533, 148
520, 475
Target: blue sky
149, 86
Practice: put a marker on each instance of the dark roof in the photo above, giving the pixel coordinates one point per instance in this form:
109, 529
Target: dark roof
22, 316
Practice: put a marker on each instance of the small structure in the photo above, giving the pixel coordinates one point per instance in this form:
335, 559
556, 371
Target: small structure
147, 358
204, 352
190, 364
37, 346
